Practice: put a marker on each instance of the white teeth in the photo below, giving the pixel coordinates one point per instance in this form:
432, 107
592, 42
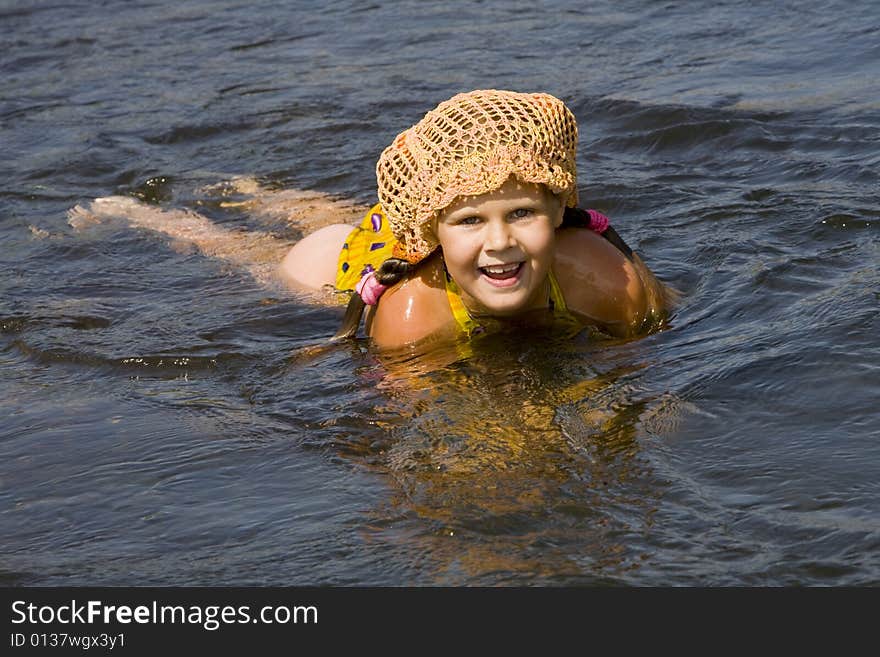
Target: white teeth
501, 269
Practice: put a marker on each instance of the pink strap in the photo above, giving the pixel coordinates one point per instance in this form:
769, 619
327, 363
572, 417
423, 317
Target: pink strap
598, 221
370, 288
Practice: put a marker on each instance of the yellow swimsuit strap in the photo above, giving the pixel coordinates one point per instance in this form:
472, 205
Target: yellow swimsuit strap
470, 326
467, 323
557, 301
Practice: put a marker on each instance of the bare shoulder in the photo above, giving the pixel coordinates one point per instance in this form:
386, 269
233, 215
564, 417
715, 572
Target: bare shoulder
414, 310
603, 286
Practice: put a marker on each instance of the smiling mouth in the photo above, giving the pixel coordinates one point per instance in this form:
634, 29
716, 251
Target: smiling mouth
502, 272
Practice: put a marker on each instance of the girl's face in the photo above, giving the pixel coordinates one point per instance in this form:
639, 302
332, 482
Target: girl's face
498, 247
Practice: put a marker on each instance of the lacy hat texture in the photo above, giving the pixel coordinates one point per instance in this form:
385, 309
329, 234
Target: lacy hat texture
469, 145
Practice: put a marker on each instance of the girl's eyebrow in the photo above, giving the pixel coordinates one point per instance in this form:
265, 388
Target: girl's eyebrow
467, 211
513, 204
461, 211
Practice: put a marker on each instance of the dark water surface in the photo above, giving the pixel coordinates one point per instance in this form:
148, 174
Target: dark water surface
155, 430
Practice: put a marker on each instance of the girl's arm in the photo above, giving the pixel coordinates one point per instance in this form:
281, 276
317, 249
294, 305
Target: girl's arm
599, 283
415, 310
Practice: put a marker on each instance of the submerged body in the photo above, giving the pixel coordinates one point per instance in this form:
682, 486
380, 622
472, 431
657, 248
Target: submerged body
499, 254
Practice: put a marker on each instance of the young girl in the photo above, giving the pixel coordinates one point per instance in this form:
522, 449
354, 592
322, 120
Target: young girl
477, 227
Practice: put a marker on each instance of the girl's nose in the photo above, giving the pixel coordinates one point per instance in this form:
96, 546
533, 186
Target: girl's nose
498, 235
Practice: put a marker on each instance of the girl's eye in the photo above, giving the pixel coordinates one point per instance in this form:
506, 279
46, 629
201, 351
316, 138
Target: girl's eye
469, 221
521, 213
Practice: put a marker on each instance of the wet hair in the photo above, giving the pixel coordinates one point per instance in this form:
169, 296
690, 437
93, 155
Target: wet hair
390, 272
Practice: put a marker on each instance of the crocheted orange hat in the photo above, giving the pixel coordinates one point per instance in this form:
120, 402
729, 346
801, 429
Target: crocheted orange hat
469, 145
